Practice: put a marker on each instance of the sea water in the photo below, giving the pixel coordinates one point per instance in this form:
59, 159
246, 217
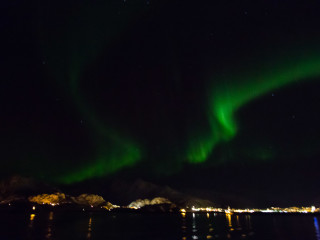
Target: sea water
69, 225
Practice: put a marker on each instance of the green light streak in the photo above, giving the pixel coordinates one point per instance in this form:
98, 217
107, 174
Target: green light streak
117, 153
92, 29
106, 163
226, 99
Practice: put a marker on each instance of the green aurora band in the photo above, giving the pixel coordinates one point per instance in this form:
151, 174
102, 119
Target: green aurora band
115, 151
92, 29
226, 98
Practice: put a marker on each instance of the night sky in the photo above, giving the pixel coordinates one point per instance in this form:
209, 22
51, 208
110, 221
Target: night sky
218, 96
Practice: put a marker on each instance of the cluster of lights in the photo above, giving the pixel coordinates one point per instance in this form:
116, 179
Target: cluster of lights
48, 203
229, 210
207, 209
108, 207
311, 209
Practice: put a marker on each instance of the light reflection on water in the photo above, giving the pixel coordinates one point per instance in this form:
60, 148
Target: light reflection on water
316, 226
32, 216
218, 226
242, 226
89, 228
101, 225
49, 228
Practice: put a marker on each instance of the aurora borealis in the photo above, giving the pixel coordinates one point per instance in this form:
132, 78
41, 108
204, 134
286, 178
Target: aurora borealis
224, 100
155, 88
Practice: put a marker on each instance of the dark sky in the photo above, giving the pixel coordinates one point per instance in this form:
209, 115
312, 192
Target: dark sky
215, 95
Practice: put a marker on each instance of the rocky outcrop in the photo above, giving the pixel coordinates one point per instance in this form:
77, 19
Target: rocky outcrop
140, 189
139, 203
88, 200
52, 199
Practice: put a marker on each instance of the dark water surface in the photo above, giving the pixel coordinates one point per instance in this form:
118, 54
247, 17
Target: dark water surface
108, 225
